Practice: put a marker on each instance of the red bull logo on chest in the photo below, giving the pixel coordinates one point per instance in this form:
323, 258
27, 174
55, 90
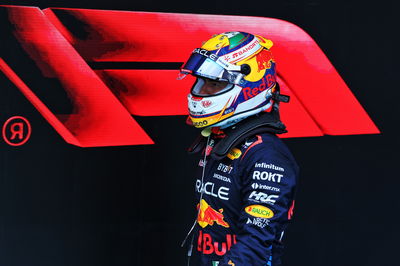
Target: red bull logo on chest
208, 216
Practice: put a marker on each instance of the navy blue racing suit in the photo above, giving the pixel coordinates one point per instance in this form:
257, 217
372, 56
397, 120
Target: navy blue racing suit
245, 202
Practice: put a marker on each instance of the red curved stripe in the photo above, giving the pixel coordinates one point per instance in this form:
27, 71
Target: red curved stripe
169, 37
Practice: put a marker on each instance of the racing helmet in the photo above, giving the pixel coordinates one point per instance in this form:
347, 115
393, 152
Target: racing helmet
235, 78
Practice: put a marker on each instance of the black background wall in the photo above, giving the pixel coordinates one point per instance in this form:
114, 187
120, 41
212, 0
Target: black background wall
64, 205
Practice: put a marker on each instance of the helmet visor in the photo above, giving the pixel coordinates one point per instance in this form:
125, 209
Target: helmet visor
200, 65
204, 87
203, 63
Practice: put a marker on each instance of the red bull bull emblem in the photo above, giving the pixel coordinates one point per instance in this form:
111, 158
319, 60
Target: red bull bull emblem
207, 215
264, 60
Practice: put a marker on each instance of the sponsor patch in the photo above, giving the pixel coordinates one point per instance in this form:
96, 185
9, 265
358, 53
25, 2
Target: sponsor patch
269, 176
221, 177
265, 187
206, 103
225, 168
208, 216
264, 59
205, 53
209, 188
259, 211
260, 222
269, 166
263, 197
244, 52
207, 245
266, 83
200, 123
234, 154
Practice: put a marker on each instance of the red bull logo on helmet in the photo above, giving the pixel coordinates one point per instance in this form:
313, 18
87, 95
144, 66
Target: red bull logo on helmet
264, 59
266, 82
209, 216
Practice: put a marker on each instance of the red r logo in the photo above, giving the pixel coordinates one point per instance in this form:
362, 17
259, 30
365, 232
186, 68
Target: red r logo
16, 131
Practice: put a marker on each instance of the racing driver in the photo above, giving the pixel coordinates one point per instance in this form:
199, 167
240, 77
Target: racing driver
246, 179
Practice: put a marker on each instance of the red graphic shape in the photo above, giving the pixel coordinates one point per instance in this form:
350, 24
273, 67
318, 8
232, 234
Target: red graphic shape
298, 121
149, 92
16, 131
98, 118
321, 101
169, 37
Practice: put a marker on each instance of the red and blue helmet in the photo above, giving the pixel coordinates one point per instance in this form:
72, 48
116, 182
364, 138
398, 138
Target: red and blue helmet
236, 77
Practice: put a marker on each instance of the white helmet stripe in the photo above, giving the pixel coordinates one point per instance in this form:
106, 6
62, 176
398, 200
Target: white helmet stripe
243, 52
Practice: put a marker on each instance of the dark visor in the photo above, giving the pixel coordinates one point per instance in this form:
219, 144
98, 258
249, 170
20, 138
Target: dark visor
193, 63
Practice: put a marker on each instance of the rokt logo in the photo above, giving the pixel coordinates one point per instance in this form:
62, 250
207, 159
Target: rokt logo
257, 175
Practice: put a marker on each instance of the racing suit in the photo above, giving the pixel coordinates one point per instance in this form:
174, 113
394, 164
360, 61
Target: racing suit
245, 202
